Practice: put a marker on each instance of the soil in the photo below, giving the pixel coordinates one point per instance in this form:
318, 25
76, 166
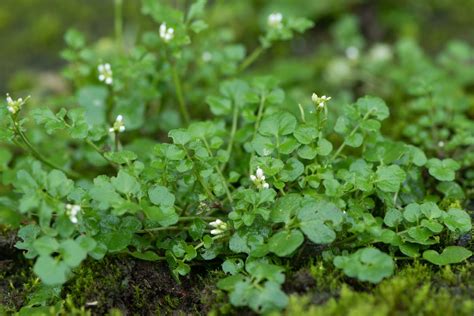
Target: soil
136, 287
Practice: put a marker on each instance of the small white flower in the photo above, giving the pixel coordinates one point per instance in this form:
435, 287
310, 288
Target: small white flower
259, 179
320, 101
352, 53
381, 52
72, 211
206, 57
119, 126
105, 73
219, 227
13, 106
274, 20
441, 143
166, 33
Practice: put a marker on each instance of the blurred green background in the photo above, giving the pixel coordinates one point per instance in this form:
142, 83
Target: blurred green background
32, 30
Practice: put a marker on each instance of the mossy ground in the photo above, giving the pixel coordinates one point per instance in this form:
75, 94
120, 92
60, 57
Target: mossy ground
121, 285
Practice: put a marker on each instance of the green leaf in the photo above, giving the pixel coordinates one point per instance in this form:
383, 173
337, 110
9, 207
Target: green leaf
232, 266
103, 192
93, 100
367, 264
164, 215
278, 124
219, 105
79, 127
51, 271
305, 134
354, 140
58, 185
317, 220
86, 243
389, 178
263, 146
114, 241
443, 170
180, 136
147, 255
72, 253
292, 170
324, 147
45, 245
458, 221
373, 105
450, 255
196, 9
285, 242
269, 298
393, 217
160, 195
412, 212
123, 157
126, 183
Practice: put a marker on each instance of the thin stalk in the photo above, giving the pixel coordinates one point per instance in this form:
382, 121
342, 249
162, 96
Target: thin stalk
235, 120
39, 156
261, 107
198, 176
118, 23
251, 58
191, 218
116, 141
179, 94
354, 130
219, 172
157, 229
101, 152
202, 243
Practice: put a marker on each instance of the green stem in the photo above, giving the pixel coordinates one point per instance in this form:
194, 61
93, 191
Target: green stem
39, 156
179, 94
118, 23
157, 229
251, 58
116, 141
198, 177
235, 119
191, 218
257, 123
219, 172
344, 143
101, 152
348, 239
202, 243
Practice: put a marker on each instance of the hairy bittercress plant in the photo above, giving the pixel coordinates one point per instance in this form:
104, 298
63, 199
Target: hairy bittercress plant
250, 187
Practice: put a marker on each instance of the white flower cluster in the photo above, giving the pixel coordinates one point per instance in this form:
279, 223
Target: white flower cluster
206, 57
320, 101
105, 73
14, 106
352, 53
72, 210
219, 227
259, 179
274, 20
119, 126
166, 33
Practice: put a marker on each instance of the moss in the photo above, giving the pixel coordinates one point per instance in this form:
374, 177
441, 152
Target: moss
415, 290
138, 287
17, 280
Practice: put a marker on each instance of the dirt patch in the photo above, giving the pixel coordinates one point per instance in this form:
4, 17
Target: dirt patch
15, 273
139, 288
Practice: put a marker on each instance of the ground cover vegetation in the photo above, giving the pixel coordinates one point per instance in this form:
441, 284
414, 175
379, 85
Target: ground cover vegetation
188, 171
